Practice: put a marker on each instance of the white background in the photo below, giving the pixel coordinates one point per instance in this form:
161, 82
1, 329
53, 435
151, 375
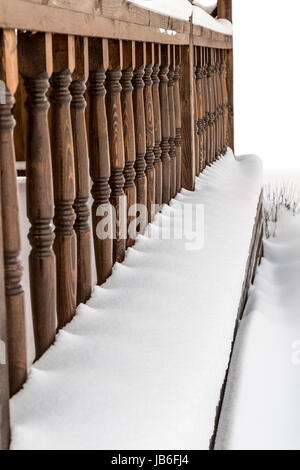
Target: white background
267, 82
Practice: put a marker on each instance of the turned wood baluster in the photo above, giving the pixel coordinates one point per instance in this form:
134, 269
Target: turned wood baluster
172, 151
39, 185
206, 117
116, 147
157, 127
129, 133
200, 107
225, 102
220, 111
211, 106
4, 379
196, 104
65, 243
81, 226
177, 116
100, 159
217, 102
150, 138
203, 93
214, 114
140, 135
165, 122
10, 215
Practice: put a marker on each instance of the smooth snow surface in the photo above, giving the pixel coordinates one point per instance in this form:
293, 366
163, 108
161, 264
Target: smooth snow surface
141, 366
207, 5
202, 18
183, 10
261, 409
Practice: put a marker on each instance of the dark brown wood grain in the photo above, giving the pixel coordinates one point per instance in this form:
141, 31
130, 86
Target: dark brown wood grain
4, 380
224, 9
40, 203
82, 179
188, 116
199, 91
99, 159
172, 149
116, 147
140, 134
196, 115
177, 116
157, 127
10, 214
65, 244
150, 137
165, 122
129, 134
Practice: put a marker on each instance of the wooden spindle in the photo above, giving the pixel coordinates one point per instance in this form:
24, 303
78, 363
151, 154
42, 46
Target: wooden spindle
39, 185
10, 213
140, 134
116, 147
211, 106
196, 114
81, 226
177, 116
129, 133
157, 127
65, 243
100, 159
172, 151
200, 108
188, 116
225, 103
4, 380
150, 138
165, 121
206, 107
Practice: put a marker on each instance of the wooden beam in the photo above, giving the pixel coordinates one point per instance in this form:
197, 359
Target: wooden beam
106, 22
225, 9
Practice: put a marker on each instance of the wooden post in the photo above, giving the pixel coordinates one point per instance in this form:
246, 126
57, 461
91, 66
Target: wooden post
157, 126
116, 146
4, 381
10, 214
196, 107
128, 130
188, 116
39, 185
65, 246
172, 152
165, 121
150, 138
140, 132
177, 116
225, 11
81, 226
100, 159
200, 108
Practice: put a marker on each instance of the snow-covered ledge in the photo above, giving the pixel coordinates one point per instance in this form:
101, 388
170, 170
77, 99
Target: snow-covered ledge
142, 364
184, 10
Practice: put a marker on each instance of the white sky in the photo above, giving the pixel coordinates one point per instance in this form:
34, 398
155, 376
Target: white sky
267, 82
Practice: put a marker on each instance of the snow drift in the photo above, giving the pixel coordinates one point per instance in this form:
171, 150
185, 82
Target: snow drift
142, 364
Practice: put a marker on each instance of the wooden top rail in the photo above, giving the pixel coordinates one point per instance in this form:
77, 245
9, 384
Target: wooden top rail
112, 19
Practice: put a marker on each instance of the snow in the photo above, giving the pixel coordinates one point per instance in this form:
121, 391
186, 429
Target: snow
207, 5
180, 9
261, 409
202, 18
183, 10
142, 364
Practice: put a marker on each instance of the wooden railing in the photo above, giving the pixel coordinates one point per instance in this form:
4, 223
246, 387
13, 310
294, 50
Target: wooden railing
137, 118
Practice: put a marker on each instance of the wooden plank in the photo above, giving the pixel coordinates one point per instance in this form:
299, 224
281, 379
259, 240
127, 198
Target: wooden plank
10, 214
4, 387
18, 14
39, 185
